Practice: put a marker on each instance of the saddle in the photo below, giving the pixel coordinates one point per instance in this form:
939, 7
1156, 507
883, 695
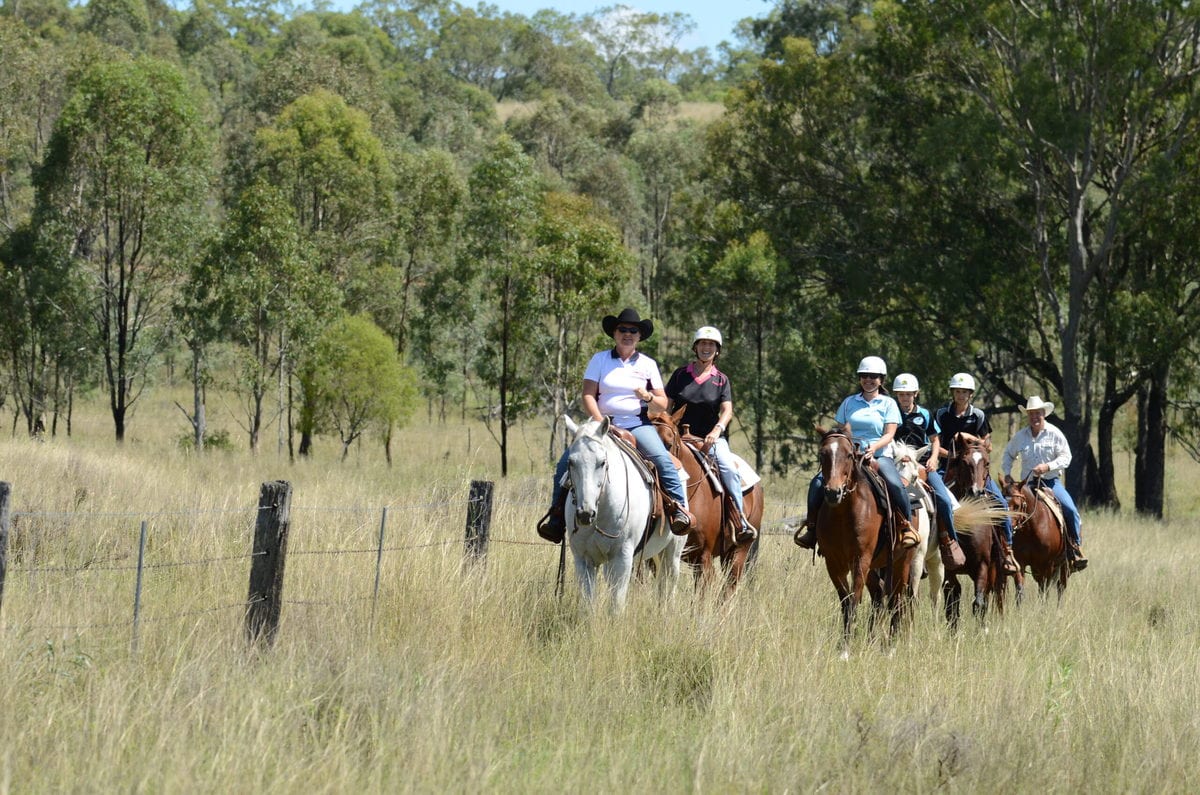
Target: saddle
868, 468
659, 501
1045, 495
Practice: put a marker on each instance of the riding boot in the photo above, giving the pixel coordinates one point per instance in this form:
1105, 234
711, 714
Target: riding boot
553, 526
1010, 563
1080, 561
744, 532
681, 518
806, 536
952, 555
908, 536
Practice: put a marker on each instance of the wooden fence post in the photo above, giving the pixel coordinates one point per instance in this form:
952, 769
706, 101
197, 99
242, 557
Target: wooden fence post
5, 517
479, 520
265, 601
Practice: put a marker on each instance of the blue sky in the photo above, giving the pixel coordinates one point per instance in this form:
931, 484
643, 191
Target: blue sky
714, 19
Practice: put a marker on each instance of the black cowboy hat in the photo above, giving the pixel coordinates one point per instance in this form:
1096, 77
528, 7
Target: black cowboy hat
628, 315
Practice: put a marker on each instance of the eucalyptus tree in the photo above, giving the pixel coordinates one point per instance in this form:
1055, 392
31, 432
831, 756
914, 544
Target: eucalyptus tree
337, 177
581, 266
1085, 98
505, 195
122, 194
356, 381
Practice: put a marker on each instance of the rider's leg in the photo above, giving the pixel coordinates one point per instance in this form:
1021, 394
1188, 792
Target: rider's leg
553, 526
1074, 523
952, 554
899, 498
653, 448
806, 536
732, 482
1010, 562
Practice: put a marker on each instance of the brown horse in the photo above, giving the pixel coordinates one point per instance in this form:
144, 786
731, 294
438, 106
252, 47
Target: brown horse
712, 534
852, 536
1039, 541
966, 476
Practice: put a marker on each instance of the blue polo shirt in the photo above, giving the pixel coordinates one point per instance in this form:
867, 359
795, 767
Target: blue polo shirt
869, 419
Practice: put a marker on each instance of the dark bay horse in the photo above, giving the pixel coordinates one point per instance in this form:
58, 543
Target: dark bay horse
712, 534
852, 537
1039, 541
966, 476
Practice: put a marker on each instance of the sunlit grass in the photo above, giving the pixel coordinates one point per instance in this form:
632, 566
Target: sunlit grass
475, 677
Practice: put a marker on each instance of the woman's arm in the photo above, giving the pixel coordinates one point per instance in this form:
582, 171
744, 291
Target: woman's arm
726, 416
590, 400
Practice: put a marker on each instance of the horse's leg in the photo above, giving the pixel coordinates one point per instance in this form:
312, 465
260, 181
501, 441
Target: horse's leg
951, 594
619, 571
737, 567
585, 575
981, 580
668, 568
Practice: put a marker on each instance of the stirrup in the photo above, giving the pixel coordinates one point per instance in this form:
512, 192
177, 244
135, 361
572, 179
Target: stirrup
552, 528
806, 536
746, 533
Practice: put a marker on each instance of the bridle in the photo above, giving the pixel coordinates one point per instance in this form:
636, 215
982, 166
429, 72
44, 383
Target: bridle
836, 496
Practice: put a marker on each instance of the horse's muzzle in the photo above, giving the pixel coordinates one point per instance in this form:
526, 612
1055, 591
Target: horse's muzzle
584, 518
834, 496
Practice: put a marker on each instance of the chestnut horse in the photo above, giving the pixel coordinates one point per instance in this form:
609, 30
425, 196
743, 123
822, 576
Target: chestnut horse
852, 537
966, 476
712, 534
1039, 541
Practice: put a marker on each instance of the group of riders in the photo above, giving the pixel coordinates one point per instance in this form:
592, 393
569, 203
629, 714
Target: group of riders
627, 386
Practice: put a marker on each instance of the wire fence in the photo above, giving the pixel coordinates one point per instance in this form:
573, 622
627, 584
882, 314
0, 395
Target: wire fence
52, 577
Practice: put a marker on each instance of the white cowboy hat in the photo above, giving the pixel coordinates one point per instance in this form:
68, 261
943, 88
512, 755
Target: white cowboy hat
1035, 403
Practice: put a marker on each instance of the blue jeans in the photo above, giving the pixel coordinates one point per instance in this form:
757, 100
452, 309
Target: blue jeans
653, 448
1070, 512
730, 478
943, 502
895, 487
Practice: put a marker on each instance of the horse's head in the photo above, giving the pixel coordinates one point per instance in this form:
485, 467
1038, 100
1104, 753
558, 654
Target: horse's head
969, 464
837, 465
587, 465
667, 426
908, 461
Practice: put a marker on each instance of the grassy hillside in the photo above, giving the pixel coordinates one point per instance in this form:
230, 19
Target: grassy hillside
477, 678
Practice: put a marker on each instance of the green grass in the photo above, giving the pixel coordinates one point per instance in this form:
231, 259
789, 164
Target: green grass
477, 678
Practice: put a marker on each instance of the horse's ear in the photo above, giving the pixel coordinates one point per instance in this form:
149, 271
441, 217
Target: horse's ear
572, 428
604, 423
987, 444
678, 415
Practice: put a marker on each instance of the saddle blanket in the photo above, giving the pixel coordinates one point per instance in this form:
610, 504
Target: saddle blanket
749, 477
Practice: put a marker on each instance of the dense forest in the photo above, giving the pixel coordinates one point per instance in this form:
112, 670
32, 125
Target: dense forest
347, 218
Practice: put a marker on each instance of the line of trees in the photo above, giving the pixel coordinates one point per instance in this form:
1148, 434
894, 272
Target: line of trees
996, 187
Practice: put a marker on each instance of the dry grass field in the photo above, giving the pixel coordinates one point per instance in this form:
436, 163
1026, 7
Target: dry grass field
476, 678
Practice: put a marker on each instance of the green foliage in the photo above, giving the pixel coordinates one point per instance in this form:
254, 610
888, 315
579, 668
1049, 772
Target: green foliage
355, 379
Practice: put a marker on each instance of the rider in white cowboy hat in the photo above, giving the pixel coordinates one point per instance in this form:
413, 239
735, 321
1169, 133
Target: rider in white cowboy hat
1044, 454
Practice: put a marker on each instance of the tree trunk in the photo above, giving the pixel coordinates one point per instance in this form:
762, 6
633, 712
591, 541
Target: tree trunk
1149, 470
199, 422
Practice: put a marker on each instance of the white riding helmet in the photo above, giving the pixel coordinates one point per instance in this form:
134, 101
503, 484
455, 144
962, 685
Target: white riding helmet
708, 333
872, 364
962, 381
906, 382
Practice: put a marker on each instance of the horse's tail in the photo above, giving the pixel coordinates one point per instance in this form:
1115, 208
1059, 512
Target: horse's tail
978, 512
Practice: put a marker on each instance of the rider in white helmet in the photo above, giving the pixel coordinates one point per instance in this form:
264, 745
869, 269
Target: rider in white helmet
870, 418
708, 395
959, 415
914, 431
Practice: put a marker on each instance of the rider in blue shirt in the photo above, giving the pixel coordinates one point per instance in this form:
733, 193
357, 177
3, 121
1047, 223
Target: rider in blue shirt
870, 418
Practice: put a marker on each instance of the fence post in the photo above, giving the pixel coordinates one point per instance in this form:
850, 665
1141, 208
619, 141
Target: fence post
5, 517
137, 590
479, 520
265, 601
378, 563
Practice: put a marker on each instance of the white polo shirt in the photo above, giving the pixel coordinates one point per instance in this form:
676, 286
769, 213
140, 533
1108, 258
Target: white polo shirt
618, 379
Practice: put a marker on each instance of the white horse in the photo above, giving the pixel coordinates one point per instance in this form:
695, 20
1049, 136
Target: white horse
607, 511
928, 557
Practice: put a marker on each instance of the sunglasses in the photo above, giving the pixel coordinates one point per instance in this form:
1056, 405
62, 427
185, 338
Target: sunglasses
873, 376
629, 330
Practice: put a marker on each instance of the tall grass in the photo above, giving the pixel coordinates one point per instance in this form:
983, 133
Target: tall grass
478, 678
